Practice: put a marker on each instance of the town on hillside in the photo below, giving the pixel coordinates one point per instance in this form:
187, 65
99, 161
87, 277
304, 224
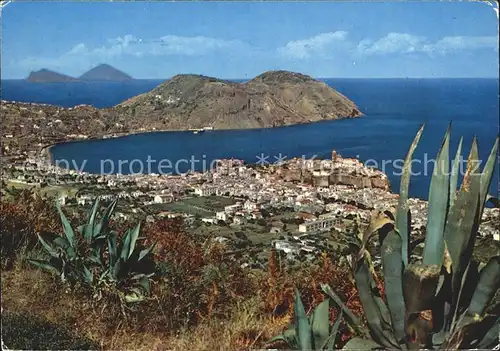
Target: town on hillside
300, 207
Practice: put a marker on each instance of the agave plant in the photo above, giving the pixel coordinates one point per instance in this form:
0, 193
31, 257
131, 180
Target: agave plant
441, 301
313, 333
92, 251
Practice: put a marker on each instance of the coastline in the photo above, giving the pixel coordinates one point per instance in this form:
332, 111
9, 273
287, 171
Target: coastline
46, 150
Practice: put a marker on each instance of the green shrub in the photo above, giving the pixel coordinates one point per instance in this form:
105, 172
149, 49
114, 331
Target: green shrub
94, 256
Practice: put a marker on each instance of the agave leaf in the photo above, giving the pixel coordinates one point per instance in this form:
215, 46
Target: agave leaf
143, 253
53, 252
438, 206
133, 239
357, 344
468, 336
68, 230
351, 318
88, 231
330, 342
459, 232
488, 285
115, 270
302, 327
43, 265
113, 254
378, 220
381, 332
87, 275
61, 242
402, 223
454, 173
71, 253
392, 264
491, 339
487, 175
145, 284
125, 247
95, 259
103, 224
320, 324
288, 336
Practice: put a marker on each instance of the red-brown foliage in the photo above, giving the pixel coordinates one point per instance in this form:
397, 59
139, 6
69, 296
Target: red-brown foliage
278, 288
22, 220
199, 281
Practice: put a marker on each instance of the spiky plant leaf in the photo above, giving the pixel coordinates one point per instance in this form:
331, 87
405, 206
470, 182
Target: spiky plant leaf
330, 342
68, 229
53, 252
454, 173
459, 234
143, 253
133, 239
357, 344
145, 284
392, 265
488, 285
112, 250
125, 247
438, 205
470, 335
87, 275
402, 213
491, 338
288, 336
381, 332
88, 230
487, 175
320, 324
104, 222
302, 327
61, 242
43, 265
378, 220
350, 316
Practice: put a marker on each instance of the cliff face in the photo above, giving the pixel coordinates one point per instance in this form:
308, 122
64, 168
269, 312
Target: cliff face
272, 99
45, 76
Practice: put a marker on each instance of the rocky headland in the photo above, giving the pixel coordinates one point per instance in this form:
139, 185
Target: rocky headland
184, 102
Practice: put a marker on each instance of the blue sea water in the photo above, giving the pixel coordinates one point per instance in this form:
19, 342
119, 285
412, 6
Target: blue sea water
393, 108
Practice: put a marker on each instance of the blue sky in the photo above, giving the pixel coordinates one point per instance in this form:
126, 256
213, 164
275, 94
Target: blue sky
239, 40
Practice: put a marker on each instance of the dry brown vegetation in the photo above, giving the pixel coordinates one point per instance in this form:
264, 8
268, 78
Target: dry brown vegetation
201, 299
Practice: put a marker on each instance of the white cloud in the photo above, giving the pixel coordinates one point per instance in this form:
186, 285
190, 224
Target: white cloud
129, 45
318, 45
391, 44
450, 44
404, 43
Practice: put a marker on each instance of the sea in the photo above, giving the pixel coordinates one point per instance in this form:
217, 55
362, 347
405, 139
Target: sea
393, 111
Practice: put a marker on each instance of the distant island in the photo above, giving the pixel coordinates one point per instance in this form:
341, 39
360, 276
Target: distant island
45, 75
102, 72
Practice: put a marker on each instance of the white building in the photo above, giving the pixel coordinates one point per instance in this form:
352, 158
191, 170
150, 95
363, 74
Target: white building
221, 216
205, 190
233, 208
250, 206
321, 224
